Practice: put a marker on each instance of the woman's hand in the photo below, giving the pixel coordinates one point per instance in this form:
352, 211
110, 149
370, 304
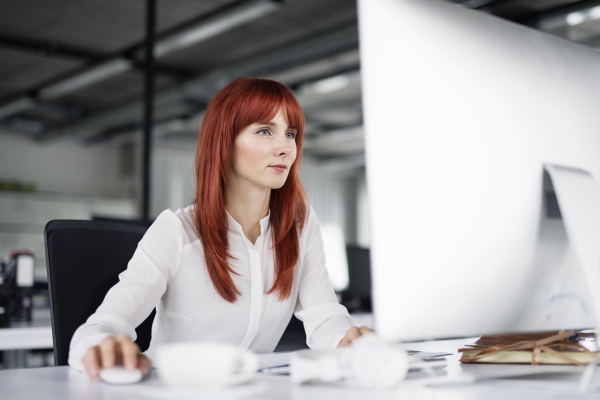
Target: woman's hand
353, 334
120, 350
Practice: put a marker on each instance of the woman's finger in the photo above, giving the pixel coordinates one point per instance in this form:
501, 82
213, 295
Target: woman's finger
108, 352
91, 362
351, 334
363, 330
129, 351
144, 364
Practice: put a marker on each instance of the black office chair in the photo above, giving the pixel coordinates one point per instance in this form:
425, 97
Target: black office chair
84, 259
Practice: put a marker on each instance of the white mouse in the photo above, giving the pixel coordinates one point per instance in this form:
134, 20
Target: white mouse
120, 376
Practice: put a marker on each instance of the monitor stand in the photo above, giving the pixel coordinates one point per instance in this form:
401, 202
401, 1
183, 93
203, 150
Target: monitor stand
578, 196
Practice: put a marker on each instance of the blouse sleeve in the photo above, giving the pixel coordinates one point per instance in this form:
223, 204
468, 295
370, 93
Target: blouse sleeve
140, 287
325, 320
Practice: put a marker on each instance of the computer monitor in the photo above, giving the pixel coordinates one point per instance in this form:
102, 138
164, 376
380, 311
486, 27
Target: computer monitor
462, 110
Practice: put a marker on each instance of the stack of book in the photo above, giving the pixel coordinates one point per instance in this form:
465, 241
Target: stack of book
533, 348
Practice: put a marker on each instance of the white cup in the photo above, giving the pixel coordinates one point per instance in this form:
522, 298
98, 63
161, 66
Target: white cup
204, 364
368, 363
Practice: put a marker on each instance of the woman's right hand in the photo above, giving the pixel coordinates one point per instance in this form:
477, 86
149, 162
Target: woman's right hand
120, 350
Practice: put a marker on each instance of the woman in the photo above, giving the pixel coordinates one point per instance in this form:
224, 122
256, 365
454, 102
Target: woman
236, 264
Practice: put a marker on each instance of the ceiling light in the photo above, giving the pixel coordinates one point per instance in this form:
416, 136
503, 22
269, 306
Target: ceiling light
86, 78
344, 61
221, 23
575, 18
579, 17
331, 84
595, 13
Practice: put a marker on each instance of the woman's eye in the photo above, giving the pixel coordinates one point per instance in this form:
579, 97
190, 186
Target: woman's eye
290, 135
263, 132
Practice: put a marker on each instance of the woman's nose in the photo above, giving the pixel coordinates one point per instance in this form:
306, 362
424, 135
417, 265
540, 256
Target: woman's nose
283, 151
283, 146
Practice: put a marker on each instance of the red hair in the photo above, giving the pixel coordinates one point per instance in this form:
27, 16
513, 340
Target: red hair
239, 104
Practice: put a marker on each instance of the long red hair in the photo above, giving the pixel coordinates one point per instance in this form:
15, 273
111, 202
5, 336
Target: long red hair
239, 104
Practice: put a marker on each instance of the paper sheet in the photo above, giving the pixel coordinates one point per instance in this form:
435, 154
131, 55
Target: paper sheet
272, 360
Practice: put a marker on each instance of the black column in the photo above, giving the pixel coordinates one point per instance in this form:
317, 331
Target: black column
148, 105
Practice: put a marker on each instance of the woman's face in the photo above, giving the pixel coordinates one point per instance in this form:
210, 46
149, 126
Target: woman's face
263, 153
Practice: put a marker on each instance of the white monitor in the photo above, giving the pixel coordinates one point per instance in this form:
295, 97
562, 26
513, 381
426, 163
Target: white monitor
462, 110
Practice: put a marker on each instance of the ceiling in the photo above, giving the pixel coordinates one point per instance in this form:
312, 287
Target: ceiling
73, 69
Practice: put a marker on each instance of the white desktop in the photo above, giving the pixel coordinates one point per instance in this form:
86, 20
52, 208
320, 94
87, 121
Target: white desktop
462, 112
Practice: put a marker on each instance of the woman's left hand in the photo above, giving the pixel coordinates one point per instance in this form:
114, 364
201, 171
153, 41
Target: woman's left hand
354, 333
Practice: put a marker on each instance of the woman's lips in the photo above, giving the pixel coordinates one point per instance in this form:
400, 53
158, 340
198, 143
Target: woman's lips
278, 168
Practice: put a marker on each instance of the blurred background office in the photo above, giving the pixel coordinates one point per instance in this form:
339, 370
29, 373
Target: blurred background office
79, 140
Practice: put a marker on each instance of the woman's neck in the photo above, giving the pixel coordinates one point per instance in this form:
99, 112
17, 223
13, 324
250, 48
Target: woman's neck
247, 204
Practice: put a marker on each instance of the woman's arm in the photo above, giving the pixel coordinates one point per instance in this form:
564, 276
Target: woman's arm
326, 322
132, 299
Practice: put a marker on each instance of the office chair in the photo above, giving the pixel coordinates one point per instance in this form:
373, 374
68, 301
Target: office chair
84, 259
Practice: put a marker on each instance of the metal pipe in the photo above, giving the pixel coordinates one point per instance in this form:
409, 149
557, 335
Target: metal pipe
148, 106
203, 28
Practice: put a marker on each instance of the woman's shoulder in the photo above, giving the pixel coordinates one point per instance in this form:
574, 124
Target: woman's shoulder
311, 215
180, 219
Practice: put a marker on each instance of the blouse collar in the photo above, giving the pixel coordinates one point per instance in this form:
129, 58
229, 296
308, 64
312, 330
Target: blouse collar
237, 228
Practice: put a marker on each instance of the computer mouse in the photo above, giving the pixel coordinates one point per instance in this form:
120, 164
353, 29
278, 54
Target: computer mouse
118, 375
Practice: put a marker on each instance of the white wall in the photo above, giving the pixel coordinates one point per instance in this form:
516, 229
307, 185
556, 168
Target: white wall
327, 193
65, 166
73, 182
173, 182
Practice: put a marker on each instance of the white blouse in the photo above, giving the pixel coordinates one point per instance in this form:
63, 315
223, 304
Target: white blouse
167, 271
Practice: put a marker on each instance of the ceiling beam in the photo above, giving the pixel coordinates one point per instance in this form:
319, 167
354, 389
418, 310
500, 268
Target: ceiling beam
200, 29
60, 50
49, 48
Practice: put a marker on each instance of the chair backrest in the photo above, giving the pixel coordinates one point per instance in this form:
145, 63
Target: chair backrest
84, 259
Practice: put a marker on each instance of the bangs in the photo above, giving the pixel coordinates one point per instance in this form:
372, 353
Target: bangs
260, 102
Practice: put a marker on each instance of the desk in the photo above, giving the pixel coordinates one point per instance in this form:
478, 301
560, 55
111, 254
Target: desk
36, 334
545, 381
26, 337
